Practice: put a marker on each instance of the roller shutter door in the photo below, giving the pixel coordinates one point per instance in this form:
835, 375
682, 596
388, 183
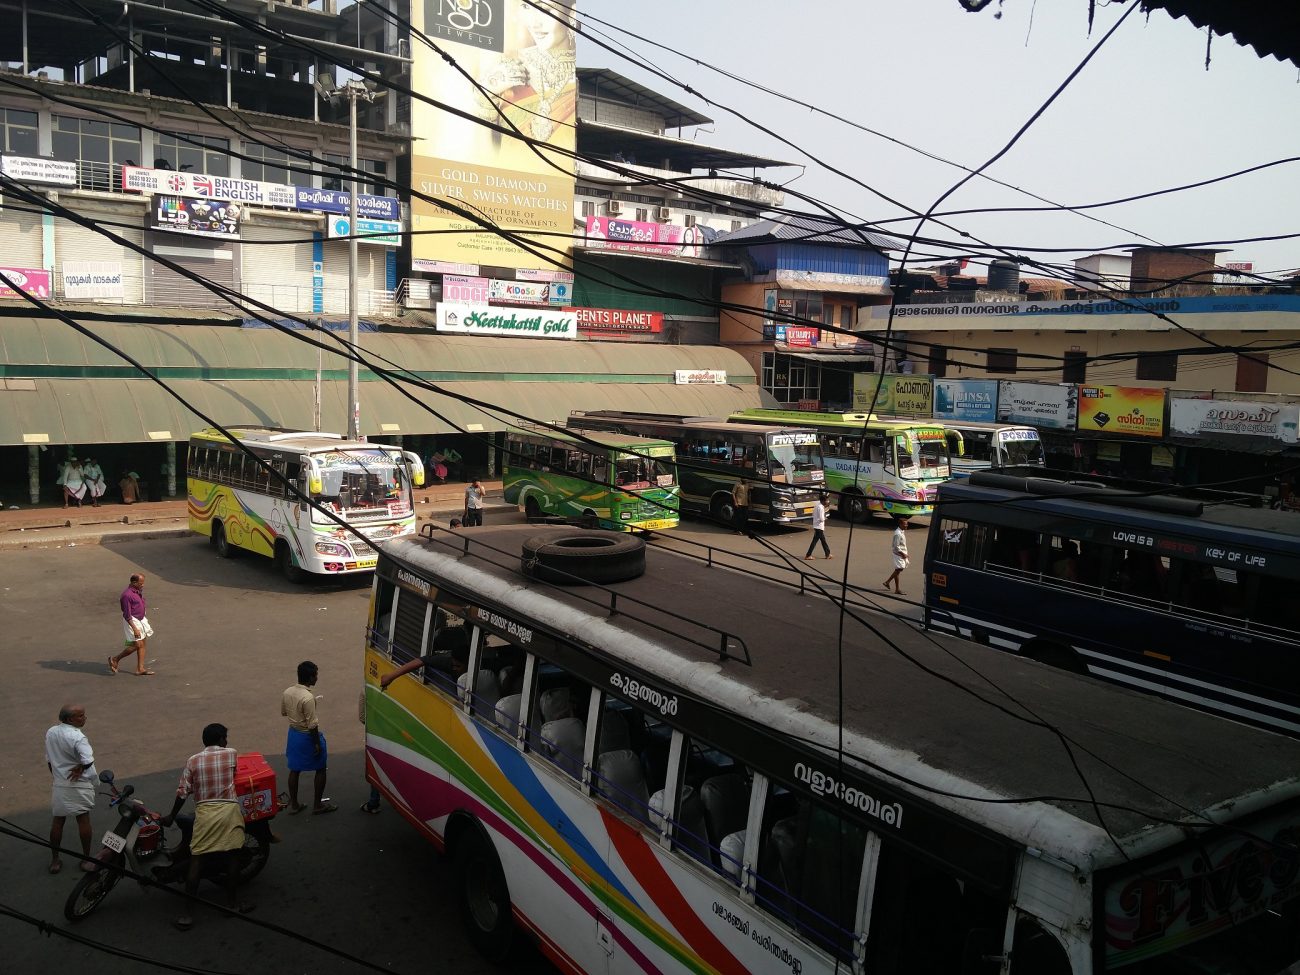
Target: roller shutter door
22, 239
215, 260
278, 274
370, 278
73, 242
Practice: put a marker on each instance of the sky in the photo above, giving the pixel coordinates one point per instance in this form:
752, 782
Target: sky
1143, 114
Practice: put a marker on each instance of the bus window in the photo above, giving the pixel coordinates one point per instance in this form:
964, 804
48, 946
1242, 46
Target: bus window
809, 868
558, 725
408, 626
1141, 575
383, 621
577, 462
963, 543
1276, 605
600, 468
722, 786
618, 772
1208, 589
850, 447
1063, 559
1014, 549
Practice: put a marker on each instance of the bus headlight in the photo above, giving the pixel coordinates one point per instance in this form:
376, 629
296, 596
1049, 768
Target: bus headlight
625, 515
332, 548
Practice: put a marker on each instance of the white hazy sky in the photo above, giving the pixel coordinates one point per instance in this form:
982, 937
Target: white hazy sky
1143, 115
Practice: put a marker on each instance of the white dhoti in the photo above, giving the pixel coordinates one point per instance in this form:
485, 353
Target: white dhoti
72, 798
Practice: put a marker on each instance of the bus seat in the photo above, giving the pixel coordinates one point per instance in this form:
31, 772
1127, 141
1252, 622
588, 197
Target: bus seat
564, 740
726, 805
613, 733
486, 689
732, 849
510, 678
507, 716
623, 780
555, 704
690, 835
777, 866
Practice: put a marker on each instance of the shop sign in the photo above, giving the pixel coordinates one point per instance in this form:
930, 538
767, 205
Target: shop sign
205, 218
515, 322
29, 169
561, 292
1133, 410
17, 281
386, 233
612, 233
899, 394
1233, 418
171, 183
465, 290
91, 279
700, 377
798, 335
337, 201
966, 399
1049, 405
443, 267
519, 292
538, 274
619, 320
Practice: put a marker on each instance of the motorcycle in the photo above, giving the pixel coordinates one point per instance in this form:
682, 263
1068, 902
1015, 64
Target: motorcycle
138, 844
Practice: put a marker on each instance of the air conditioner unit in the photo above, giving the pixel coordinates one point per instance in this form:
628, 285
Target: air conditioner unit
663, 213
614, 208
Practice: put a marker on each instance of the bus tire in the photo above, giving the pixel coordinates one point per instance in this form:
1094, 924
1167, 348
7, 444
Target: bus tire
532, 510
592, 556
1055, 655
483, 896
589, 519
284, 561
724, 510
854, 508
221, 543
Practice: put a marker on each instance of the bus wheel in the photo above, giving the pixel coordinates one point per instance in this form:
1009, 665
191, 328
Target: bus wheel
589, 520
284, 560
484, 897
221, 543
724, 511
593, 556
854, 508
532, 510
1055, 655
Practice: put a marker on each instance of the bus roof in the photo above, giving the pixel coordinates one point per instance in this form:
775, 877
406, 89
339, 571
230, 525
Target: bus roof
303, 441
916, 720
837, 420
605, 438
982, 425
710, 423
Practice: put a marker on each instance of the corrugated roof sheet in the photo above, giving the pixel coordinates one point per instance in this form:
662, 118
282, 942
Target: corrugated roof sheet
810, 230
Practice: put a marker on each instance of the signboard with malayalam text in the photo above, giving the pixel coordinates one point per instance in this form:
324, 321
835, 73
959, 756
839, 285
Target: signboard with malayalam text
1133, 410
34, 169
1051, 406
17, 281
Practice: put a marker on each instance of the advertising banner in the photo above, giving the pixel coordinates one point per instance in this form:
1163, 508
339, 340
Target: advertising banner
523, 57
618, 320
464, 290
614, 233
515, 322
534, 274
966, 399
700, 377
29, 169
15, 281
798, 335
1133, 410
336, 201
1049, 405
205, 218
519, 292
444, 267
91, 279
386, 233
1233, 418
171, 183
900, 395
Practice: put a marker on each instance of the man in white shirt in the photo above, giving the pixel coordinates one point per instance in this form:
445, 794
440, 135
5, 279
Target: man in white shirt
72, 763
819, 528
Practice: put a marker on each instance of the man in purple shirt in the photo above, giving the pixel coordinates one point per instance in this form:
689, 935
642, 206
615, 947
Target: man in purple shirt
135, 627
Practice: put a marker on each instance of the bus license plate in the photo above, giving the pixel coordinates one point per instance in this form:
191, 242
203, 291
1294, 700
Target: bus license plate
114, 842
650, 526
367, 563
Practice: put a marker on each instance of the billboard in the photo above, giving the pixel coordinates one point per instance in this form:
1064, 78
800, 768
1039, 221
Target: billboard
205, 218
966, 399
527, 323
618, 320
521, 58
91, 280
1233, 418
1051, 406
613, 233
14, 281
900, 395
1133, 410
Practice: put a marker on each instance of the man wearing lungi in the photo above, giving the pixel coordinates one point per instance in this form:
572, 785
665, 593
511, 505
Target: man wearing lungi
305, 748
72, 763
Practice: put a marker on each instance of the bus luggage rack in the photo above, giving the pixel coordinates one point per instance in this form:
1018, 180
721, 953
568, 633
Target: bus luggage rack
728, 646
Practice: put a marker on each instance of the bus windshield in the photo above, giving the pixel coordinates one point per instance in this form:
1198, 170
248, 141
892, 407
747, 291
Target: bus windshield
1022, 448
922, 460
641, 473
359, 479
795, 463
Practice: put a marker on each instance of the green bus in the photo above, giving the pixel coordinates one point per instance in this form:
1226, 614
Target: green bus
782, 465
605, 480
897, 470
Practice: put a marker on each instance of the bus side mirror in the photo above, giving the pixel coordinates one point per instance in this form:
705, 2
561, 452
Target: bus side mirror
314, 485
417, 467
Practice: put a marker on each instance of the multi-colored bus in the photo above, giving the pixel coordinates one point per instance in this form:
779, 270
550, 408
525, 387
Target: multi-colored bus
599, 479
782, 465
238, 504
873, 463
636, 776
981, 446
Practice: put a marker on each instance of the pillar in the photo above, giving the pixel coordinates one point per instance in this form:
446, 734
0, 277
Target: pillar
171, 468
33, 473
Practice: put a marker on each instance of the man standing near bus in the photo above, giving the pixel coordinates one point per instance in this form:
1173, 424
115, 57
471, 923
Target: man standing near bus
740, 506
899, 552
819, 528
305, 749
474, 504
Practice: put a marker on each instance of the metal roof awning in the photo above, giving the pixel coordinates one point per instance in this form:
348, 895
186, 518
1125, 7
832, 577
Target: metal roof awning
803, 281
836, 357
589, 251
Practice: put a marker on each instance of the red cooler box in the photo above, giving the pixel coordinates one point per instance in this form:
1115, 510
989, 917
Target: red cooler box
255, 787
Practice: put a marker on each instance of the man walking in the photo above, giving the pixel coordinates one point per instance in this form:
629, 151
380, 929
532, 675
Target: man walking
740, 506
474, 504
898, 549
135, 627
209, 776
305, 748
819, 528
72, 763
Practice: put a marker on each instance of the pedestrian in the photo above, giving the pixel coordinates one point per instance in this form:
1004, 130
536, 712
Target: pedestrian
72, 765
209, 776
899, 550
135, 627
740, 505
819, 528
73, 481
130, 487
474, 504
454, 523
95, 483
305, 748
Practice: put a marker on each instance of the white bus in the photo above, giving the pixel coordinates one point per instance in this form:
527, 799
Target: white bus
666, 774
239, 505
980, 446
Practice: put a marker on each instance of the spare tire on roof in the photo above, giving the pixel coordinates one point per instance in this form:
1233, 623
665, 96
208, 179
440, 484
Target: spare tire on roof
572, 558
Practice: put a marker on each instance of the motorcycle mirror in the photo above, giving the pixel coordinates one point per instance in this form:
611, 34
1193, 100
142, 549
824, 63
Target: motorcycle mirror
106, 777
128, 791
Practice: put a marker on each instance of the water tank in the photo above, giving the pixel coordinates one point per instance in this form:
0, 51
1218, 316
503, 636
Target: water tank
1004, 275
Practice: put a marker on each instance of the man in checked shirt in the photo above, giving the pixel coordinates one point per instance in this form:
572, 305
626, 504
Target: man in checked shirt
209, 776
